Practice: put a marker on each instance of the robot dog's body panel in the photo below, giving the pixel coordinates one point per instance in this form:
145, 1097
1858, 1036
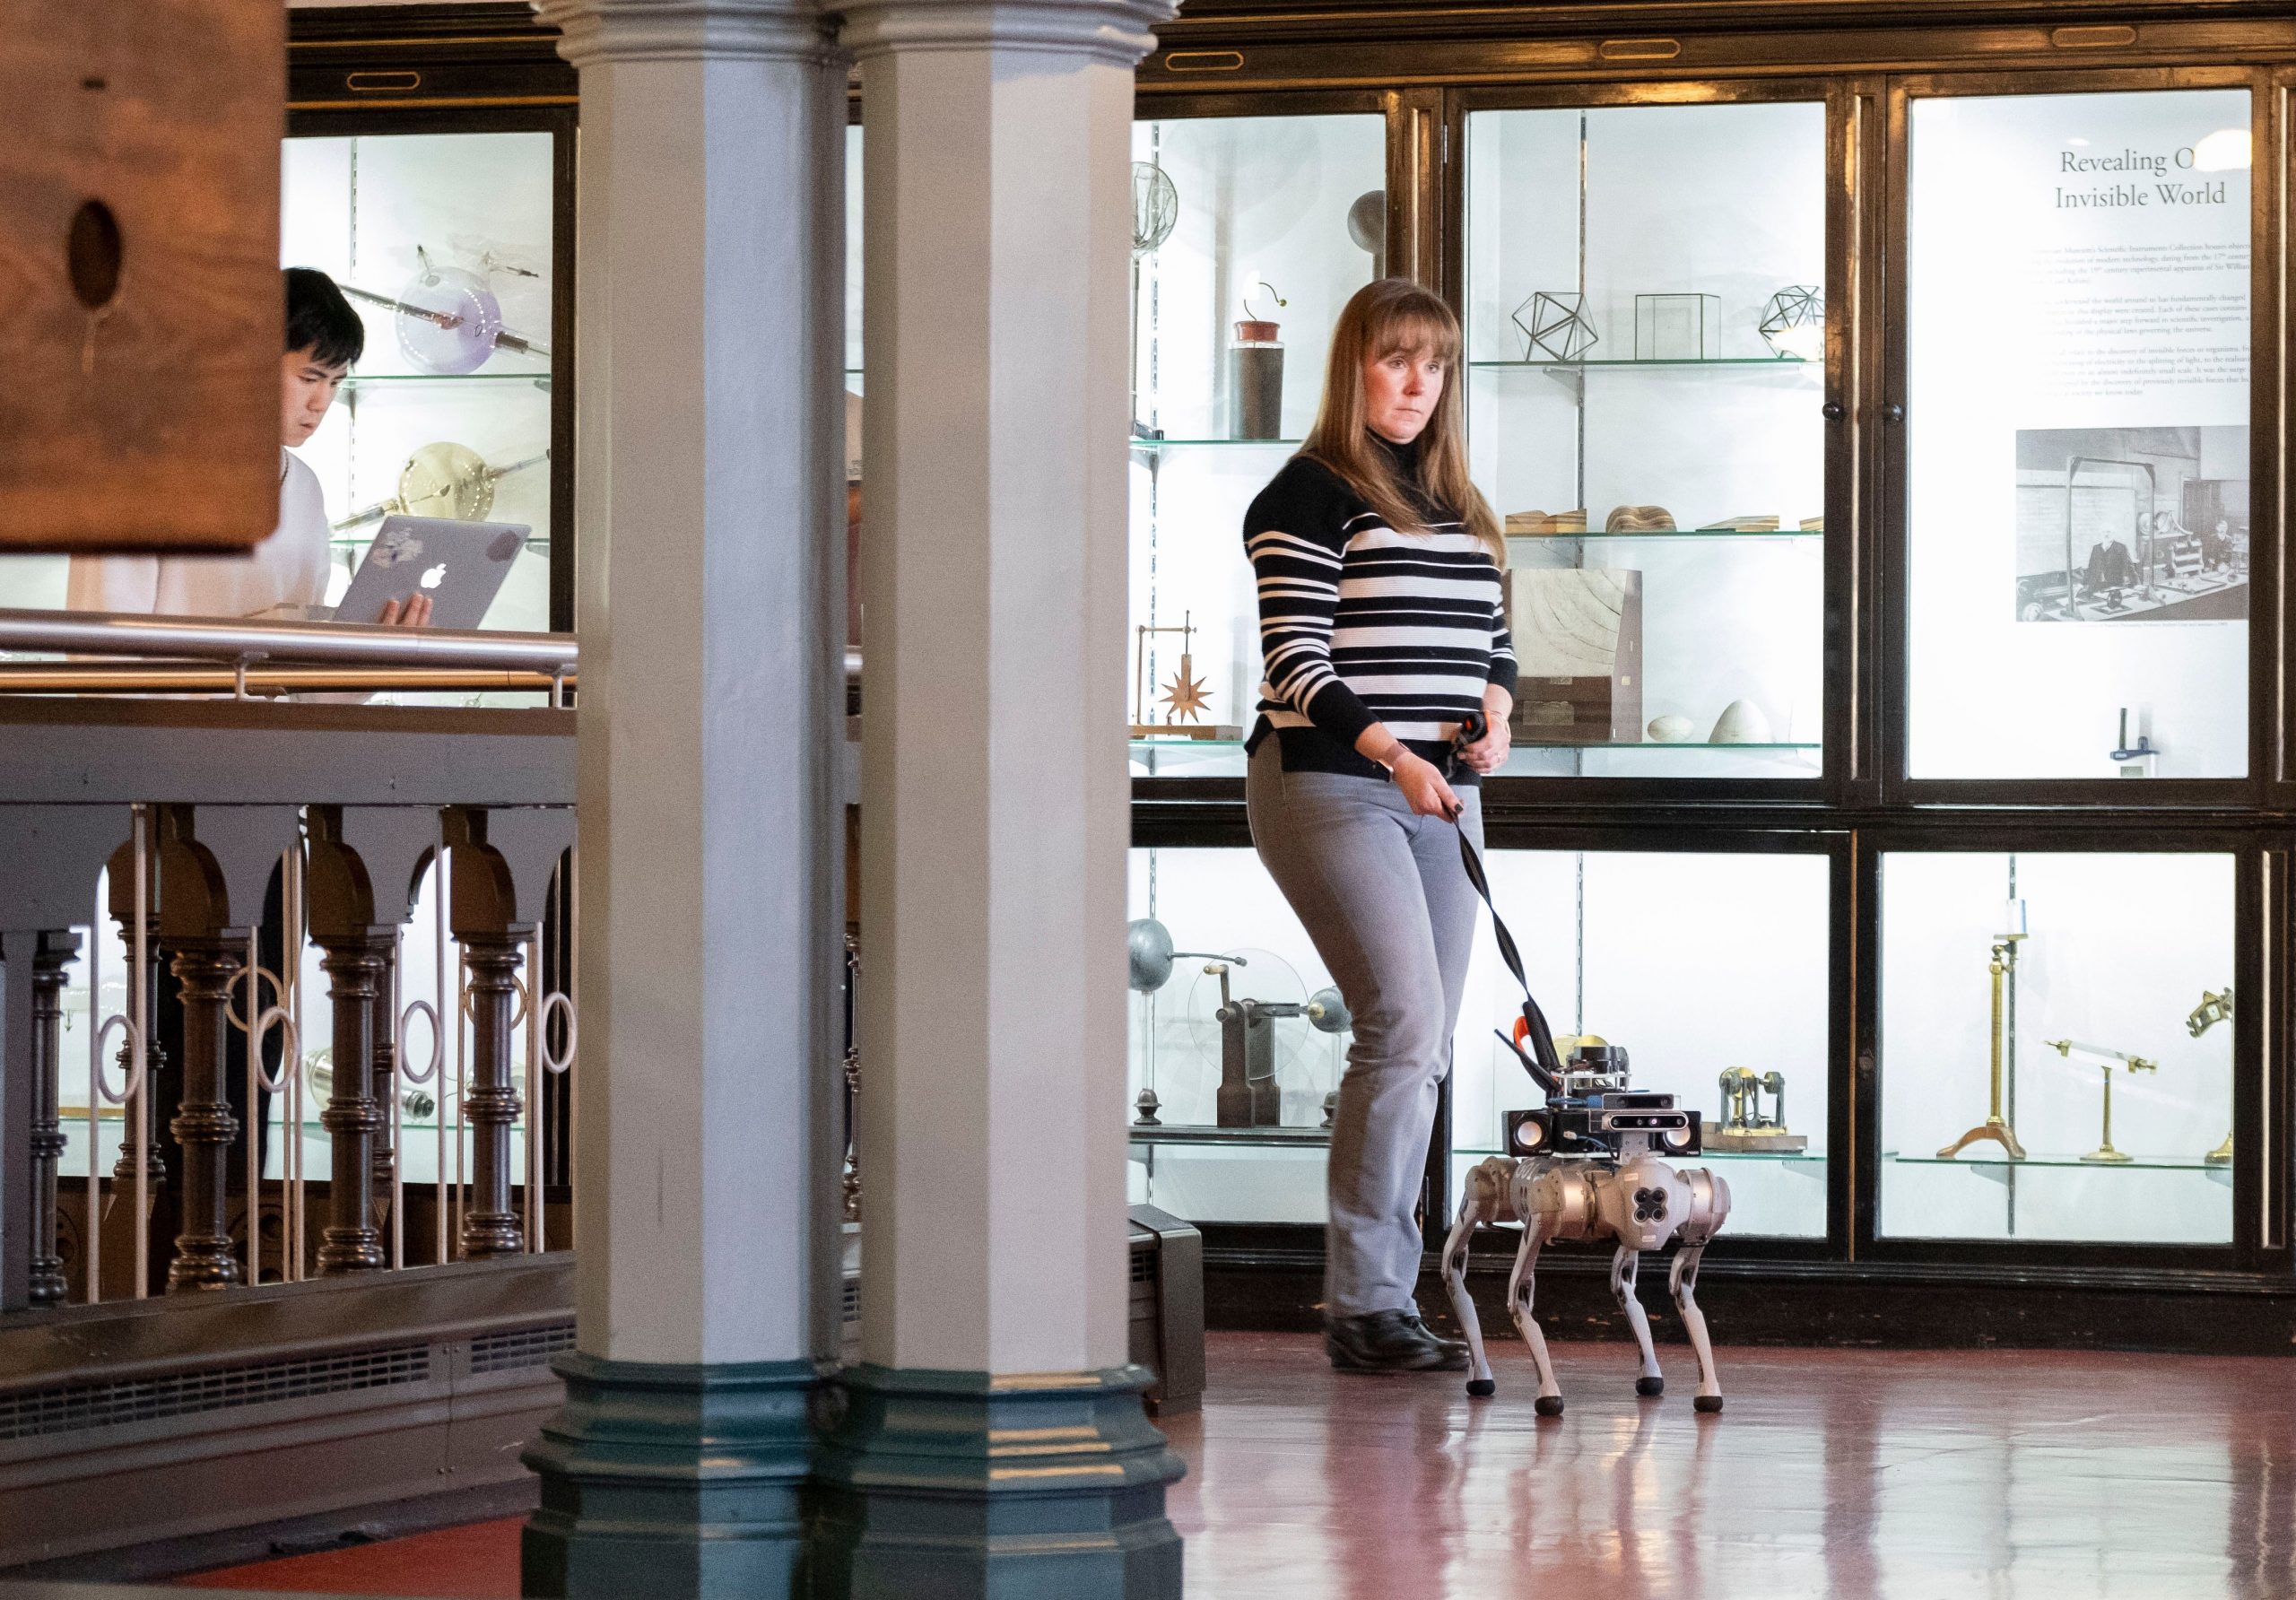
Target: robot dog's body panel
1639, 1201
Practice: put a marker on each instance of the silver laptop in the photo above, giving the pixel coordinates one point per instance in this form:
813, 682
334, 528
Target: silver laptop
460, 565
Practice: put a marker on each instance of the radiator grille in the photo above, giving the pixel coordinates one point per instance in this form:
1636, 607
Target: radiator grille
1143, 1267
73, 1407
522, 1347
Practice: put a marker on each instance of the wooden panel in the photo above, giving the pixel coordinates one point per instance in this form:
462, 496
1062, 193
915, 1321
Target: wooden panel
149, 419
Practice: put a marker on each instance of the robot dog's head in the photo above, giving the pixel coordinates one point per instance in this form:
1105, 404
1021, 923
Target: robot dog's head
1595, 1115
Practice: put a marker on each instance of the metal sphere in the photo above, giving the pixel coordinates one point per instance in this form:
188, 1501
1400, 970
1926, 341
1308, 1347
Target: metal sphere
1155, 206
1367, 221
1328, 1011
1148, 945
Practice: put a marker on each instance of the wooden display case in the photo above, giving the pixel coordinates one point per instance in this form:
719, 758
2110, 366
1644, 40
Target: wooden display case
1867, 786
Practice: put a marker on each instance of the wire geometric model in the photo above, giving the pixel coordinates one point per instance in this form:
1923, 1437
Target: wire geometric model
1184, 697
1558, 327
1155, 206
1794, 322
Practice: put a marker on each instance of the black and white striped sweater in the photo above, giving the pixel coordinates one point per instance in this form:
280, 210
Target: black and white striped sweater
1358, 623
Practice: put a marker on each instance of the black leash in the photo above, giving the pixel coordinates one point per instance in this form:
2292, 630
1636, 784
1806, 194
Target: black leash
1541, 1061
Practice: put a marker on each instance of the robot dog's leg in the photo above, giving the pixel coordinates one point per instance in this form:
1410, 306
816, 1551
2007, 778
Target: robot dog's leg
1623, 1270
1454, 1281
1520, 1285
1682, 1281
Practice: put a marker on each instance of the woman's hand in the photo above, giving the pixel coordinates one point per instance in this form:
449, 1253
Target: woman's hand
1422, 785
1489, 753
1419, 779
416, 614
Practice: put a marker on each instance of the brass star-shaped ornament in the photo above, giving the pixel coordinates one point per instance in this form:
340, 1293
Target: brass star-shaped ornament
1184, 698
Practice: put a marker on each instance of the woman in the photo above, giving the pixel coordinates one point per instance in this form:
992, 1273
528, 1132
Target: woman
1382, 620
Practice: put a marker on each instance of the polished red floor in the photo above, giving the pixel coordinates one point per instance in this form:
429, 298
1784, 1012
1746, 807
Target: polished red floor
477, 1561
2010, 1475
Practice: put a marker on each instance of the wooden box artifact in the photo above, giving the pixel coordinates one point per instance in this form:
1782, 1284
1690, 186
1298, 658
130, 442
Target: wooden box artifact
140, 298
1578, 635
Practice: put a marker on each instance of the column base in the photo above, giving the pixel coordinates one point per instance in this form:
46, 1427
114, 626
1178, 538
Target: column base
662, 1480
943, 1485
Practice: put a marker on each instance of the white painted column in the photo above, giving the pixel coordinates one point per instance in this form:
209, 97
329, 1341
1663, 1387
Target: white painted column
995, 791
710, 501
711, 613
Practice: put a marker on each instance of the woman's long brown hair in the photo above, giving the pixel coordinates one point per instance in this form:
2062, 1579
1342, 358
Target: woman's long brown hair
1382, 317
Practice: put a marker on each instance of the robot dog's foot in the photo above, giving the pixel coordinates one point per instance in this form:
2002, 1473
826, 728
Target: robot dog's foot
1707, 1402
1548, 1405
1482, 1388
1649, 1389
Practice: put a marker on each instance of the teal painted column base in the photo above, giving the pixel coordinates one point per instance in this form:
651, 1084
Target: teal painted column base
964, 1486
675, 1482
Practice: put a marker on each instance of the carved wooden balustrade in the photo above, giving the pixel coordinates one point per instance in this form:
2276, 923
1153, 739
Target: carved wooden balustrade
285, 988
220, 912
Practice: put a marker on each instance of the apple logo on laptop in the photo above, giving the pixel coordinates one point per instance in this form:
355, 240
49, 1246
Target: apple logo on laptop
435, 576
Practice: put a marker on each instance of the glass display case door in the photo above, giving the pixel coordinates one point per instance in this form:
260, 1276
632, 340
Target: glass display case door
1719, 960
1656, 284
414, 213
2074, 521
1249, 233
2058, 1055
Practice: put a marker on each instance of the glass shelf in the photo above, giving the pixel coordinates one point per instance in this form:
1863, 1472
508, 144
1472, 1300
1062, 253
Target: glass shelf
1152, 445
358, 540
1519, 745
2065, 1163
1779, 1158
1275, 1138
1679, 533
360, 380
1787, 361
1664, 745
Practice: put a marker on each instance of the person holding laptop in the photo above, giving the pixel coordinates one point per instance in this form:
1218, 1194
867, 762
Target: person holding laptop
287, 572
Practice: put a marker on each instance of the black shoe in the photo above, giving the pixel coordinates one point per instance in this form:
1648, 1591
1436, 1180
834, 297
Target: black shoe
1381, 1342
1455, 1351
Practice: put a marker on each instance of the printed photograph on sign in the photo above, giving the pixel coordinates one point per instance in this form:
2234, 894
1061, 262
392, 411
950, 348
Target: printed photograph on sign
2132, 525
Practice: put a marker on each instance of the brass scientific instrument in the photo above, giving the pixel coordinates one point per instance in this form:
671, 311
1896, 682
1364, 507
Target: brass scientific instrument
2105, 1059
498, 336
2212, 1010
1185, 697
442, 479
2003, 971
1743, 1127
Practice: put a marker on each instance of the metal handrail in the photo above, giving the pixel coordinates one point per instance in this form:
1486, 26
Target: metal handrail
347, 644
161, 677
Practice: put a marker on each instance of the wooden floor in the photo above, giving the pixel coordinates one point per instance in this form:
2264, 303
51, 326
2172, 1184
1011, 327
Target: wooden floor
2011, 1476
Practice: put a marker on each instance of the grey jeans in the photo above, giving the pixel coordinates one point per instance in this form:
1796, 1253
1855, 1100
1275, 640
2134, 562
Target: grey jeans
1382, 894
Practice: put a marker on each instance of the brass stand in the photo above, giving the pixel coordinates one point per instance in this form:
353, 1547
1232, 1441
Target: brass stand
2104, 1152
1184, 698
2212, 1010
1995, 1126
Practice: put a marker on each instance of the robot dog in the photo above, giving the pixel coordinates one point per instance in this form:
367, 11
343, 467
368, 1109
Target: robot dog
1594, 1172
1586, 1165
